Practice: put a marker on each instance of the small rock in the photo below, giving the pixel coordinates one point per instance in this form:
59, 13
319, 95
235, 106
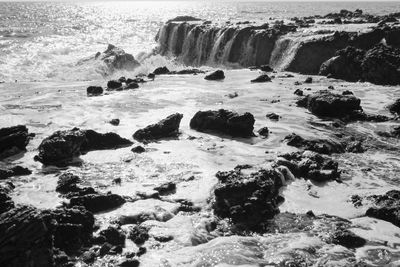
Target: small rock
138, 234
114, 122
113, 236
165, 188
264, 132
273, 116
138, 149
131, 85
113, 85
216, 75
261, 79
94, 90
308, 80
298, 92
128, 263
161, 70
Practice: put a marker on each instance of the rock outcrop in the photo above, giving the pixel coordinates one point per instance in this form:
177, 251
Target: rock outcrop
224, 121
62, 146
386, 207
168, 127
13, 140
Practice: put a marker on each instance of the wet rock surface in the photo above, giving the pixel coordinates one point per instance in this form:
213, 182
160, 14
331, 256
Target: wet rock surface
248, 199
94, 90
116, 58
14, 171
13, 140
62, 146
216, 75
386, 207
224, 121
166, 128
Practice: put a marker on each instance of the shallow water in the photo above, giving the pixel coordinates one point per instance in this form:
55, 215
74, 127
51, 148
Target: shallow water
192, 164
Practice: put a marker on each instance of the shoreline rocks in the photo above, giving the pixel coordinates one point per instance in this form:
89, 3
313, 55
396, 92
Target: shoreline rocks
224, 121
166, 128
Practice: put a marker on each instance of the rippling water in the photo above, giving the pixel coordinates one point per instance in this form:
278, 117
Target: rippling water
44, 41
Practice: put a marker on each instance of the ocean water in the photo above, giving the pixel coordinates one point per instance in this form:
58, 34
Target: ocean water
45, 41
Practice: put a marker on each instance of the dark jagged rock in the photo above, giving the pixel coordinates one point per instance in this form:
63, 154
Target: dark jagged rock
165, 188
94, 90
224, 121
161, 70
187, 71
138, 149
264, 131
261, 79
395, 107
73, 229
386, 207
273, 116
114, 85
14, 171
216, 75
13, 140
67, 182
298, 92
138, 234
6, 203
168, 127
310, 165
26, 238
116, 58
327, 104
128, 263
323, 146
131, 85
248, 200
114, 122
347, 239
379, 65
266, 68
308, 80
98, 141
97, 202
113, 235
62, 146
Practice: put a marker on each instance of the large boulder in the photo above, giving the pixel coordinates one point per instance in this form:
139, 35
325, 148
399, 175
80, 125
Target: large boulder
248, 200
62, 146
13, 140
26, 238
378, 65
327, 104
116, 58
224, 121
168, 127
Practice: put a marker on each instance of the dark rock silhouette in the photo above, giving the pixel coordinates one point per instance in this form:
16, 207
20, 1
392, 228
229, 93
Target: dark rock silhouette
13, 140
168, 127
216, 75
13, 171
224, 121
94, 90
261, 79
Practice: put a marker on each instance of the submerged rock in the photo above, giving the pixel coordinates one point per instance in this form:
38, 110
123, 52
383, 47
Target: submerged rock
261, 79
168, 127
94, 90
116, 58
323, 146
326, 103
13, 140
216, 75
248, 200
62, 146
224, 121
310, 165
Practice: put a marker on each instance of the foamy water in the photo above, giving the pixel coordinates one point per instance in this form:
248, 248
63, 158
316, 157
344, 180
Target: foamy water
45, 41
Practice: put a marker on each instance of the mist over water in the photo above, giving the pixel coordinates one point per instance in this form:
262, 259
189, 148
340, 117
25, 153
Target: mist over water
45, 41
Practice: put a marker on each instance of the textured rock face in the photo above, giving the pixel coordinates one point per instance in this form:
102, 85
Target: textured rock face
387, 207
325, 103
379, 65
249, 200
13, 140
116, 58
13, 171
97, 202
310, 165
224, 121
62, 146
395, 107
25, 238
168, 127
